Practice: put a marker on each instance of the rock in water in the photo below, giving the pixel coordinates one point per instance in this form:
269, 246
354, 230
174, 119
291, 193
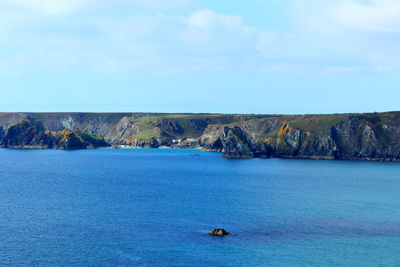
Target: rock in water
219, 232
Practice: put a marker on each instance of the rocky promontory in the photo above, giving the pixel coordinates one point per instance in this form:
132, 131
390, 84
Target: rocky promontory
25, 135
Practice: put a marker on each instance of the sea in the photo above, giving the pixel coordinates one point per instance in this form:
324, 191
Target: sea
155, 207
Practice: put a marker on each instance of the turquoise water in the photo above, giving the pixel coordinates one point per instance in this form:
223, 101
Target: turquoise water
155, 207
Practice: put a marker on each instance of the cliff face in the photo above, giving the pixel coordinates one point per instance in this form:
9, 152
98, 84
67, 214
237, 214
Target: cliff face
363, 136
25, 135
126, 129
374, 136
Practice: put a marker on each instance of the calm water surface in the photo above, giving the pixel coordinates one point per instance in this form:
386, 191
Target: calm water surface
155, 207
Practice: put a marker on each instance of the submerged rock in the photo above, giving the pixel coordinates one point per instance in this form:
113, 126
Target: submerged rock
219, 232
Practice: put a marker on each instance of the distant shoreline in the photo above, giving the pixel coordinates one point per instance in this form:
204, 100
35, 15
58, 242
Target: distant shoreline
358, 136
201, 150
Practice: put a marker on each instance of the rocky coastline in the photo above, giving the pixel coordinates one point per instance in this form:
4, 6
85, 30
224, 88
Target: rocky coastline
371, 136
27, 136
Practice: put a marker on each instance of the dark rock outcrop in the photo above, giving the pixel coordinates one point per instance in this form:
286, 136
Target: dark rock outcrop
152, 143
219, 232
25, 135
1, 132
76, 140
236, 143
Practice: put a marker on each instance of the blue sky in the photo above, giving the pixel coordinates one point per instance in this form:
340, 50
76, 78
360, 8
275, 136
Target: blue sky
254, 56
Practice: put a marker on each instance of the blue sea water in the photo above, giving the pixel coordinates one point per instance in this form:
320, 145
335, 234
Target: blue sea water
155, 207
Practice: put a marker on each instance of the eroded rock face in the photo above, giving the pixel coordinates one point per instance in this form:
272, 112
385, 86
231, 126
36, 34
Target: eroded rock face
236, 143
122, 131
153, 143
211, 139
26, 135
219, 232
1, 132
76, 140
352, 137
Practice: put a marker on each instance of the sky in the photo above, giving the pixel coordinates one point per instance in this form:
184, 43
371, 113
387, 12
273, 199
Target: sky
253, 56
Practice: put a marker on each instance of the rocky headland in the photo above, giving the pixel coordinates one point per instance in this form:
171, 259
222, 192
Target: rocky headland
372, 136
25, 135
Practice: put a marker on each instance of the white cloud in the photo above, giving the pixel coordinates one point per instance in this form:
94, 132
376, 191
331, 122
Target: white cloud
59, 7
201, 18
206, 18
212, 34
163, 4
373, 15
357, 35
327, 36
348, 18
274, 44
201, 40
49, 7
276, 68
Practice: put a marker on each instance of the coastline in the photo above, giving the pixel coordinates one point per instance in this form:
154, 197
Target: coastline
366, 137
127, 147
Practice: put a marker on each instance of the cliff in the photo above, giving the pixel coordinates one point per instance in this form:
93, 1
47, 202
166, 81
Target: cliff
343, 136
373, 136
25, 135
127, 129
